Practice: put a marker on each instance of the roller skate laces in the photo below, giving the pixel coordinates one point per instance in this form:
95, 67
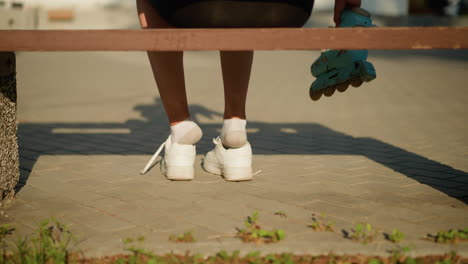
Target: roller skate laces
338, 69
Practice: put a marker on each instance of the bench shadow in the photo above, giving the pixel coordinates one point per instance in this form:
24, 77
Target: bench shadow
447, 55
142, 137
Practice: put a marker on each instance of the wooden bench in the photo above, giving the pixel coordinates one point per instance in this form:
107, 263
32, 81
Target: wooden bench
235, 39
189, 40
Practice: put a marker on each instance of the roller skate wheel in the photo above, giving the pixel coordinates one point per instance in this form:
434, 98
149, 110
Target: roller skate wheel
315, 96
329, 91
342, 87
356, 83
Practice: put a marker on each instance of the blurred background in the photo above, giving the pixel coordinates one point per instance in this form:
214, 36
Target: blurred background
111, 14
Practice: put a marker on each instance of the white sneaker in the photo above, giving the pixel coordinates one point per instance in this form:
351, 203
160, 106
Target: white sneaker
234, 164
178, 161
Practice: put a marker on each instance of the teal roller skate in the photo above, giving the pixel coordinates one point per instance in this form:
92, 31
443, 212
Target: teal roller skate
337, 69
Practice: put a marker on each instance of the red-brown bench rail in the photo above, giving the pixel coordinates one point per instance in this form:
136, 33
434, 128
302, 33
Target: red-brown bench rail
235, 39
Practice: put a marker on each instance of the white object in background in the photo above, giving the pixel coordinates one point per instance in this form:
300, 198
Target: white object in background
386, 7
377, 7
14, 4
14, 14
453, 8
77, 4
324, 5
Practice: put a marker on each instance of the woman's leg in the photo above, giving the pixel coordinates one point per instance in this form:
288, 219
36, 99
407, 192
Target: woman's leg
232, 155
168, 68
236, 68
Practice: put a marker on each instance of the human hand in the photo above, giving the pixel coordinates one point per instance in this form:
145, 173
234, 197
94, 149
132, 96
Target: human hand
341, 5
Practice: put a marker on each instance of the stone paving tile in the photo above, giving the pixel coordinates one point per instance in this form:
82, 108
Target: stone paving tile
339, 211
101, 221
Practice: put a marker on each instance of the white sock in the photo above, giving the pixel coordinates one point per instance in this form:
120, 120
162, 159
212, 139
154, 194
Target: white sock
186, 132
233, 134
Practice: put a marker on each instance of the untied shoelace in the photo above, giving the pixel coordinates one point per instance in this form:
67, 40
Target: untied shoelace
153, 158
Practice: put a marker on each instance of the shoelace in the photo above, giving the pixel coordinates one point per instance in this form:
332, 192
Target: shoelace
151, 161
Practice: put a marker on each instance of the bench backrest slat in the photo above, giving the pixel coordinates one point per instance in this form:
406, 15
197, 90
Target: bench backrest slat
235, 39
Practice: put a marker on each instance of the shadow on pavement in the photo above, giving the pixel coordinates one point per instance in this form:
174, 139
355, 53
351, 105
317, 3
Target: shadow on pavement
144, 136
448, 55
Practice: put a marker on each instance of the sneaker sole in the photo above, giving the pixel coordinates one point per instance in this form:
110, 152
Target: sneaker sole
229, 174
175, 173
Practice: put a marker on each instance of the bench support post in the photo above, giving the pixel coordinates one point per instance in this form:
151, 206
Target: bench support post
9, 159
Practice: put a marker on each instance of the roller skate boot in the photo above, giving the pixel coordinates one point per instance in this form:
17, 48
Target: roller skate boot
337, 69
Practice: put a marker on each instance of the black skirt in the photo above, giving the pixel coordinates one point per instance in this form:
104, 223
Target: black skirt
234, 13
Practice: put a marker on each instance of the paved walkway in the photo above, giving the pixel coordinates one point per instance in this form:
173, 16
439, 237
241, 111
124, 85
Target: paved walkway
392, 153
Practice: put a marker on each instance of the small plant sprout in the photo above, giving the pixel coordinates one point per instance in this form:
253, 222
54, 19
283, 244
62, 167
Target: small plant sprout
139, 255
224, 257
444, 261
363, 233
398, 256
5, 230
451, 236
321, 224
134, 245
281, 213
450, 258
254, 233
186, 237
50, 244
396, 236
375, 261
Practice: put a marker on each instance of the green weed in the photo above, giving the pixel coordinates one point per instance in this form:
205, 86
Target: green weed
450, 236
52, 241
254, 233
451, 258
186, 237
396, 236
444, 261
375, 261
398, 256
321, 224
138, 255
363, 233
50, 244
224, 256
5, 230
